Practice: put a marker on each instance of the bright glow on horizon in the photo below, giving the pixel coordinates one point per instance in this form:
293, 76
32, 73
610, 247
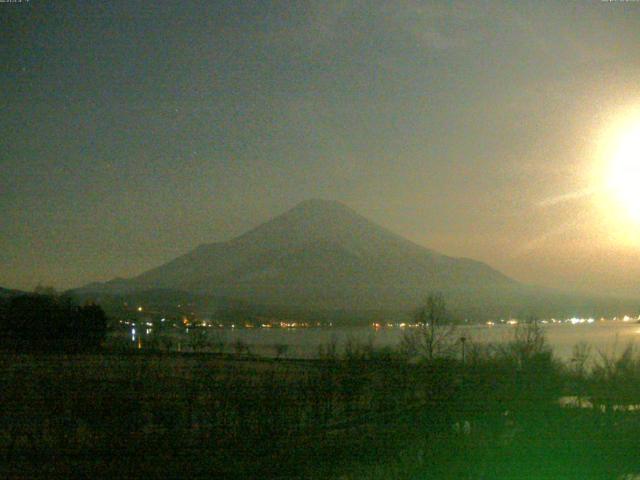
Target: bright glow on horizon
616, 172
624, 175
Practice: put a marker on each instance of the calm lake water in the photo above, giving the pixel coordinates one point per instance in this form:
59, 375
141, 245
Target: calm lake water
608, 337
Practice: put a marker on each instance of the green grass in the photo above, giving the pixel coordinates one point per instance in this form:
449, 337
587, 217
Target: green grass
142, 414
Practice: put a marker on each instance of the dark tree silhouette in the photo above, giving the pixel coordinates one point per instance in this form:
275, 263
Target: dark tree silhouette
434, 336
46, 322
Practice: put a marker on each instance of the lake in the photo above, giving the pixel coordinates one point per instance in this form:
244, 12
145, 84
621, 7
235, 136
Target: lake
608, 337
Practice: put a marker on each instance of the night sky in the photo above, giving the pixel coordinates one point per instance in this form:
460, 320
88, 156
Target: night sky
131, 132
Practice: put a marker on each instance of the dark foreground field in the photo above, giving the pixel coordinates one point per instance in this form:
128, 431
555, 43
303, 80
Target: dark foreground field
370, 415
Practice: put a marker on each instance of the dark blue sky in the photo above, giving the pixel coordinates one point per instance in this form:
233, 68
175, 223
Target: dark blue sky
134, 131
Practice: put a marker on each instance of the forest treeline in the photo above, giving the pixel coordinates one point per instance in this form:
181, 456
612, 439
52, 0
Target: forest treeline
49, 322
437, 406
505, 411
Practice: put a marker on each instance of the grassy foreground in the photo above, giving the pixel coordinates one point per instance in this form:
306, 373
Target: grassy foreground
366, 414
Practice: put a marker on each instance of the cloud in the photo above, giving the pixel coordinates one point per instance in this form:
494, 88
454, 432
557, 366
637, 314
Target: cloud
568, 197
432, 26
576, 226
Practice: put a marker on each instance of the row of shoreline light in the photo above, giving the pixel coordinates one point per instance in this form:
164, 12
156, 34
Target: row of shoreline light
379, 325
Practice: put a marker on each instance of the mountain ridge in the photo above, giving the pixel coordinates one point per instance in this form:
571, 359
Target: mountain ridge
320, 253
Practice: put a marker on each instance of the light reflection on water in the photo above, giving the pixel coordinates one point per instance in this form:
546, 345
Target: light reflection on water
609, 338
606, 337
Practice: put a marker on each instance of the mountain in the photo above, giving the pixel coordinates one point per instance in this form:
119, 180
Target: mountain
320, 254
8, 293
